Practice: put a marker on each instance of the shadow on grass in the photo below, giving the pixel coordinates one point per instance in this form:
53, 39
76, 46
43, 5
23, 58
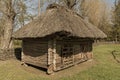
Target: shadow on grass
115, 53
36, 67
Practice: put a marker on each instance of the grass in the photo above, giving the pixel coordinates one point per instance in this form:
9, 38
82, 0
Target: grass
105, 68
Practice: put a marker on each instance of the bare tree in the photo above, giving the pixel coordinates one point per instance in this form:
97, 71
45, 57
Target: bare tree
69, 3
94, 10
9, 13
116, 21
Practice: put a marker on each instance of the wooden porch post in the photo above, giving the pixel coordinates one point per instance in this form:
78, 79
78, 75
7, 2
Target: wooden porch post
50, 56
49, 51
22, 53
54, 54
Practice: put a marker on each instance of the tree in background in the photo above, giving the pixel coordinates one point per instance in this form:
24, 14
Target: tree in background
8, 14
69, 3
115, 33
12, 14
95, 10
15, 14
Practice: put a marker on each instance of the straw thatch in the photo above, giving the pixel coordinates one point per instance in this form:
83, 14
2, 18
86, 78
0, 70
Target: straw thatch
58, 18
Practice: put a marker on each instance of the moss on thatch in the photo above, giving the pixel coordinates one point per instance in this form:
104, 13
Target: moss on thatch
58, 18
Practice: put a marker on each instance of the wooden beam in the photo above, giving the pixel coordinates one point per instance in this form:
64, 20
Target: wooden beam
22, 53
49, 57
54, 54
49, 52
73, 55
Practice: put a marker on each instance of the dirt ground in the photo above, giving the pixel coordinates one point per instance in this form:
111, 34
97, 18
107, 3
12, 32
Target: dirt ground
40, 72
66, 72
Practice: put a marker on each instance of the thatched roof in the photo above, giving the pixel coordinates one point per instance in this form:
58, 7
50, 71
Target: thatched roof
58, 18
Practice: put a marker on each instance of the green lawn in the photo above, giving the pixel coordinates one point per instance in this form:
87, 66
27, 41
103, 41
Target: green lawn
105, 67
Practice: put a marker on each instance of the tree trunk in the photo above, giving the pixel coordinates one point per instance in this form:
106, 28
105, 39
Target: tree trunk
6, 42
9, 14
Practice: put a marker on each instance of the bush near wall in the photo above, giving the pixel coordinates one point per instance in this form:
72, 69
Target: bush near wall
7, 54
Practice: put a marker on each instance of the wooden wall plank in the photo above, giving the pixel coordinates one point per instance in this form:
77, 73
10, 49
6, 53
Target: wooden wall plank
35, 51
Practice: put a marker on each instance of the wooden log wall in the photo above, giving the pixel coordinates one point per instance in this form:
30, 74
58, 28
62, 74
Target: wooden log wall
58, 55
48, 54
35, 52
82, 51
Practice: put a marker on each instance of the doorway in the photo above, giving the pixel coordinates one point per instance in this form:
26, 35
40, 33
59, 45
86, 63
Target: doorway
67, 54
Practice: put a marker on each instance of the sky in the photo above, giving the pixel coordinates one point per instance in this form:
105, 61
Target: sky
33, 4
110, 4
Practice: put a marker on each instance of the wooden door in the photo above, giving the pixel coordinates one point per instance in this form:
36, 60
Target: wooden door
67, 55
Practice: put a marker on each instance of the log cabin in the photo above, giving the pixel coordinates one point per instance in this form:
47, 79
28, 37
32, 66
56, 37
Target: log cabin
57, 39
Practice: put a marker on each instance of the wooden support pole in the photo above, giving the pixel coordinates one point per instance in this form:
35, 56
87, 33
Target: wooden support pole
50, 57
49, 52
22, 56
73, 54
54, 56
22, 53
